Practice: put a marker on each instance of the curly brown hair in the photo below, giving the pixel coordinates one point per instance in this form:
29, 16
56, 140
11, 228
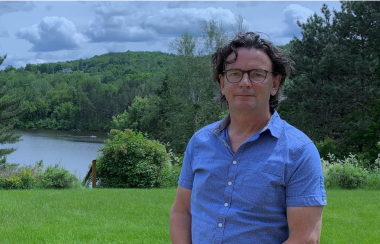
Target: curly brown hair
280, 62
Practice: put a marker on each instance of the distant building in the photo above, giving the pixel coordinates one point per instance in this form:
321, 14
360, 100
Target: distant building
66, 71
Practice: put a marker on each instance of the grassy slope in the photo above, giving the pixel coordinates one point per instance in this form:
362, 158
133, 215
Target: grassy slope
142, 216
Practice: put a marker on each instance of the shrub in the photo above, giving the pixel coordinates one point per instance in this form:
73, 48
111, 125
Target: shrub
171, 171
57, 177
129, 160
22, 179
13, 182
347, 176
27, 178
345, 173
2, 182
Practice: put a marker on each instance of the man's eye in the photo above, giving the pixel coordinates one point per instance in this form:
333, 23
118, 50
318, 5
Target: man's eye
257, 74
234, 74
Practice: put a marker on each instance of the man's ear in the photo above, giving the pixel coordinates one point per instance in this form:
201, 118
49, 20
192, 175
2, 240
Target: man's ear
276, 84
221, 81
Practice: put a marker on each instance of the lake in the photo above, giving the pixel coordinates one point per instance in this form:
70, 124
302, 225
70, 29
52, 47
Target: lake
73, 150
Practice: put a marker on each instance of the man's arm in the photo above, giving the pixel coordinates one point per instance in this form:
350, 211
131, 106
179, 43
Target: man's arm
305, 224
180, 217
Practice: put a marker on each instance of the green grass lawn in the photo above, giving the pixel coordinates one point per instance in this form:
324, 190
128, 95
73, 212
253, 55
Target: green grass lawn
351, 217
85, 216
142, 216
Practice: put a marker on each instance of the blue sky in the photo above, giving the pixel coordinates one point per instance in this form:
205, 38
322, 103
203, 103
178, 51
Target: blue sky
52, 31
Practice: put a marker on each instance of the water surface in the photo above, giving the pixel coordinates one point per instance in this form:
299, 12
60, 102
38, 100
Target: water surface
74, 150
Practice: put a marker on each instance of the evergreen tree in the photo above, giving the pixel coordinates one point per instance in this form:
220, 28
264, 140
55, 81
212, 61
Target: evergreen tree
9, 109
334, 93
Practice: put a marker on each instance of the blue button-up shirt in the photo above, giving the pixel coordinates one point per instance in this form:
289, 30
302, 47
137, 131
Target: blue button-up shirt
242, 197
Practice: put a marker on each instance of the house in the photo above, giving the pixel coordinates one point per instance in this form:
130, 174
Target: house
66, 71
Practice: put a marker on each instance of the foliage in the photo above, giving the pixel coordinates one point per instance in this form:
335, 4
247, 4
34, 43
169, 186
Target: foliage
170, 173
57, 177
20, 180
129, 160
10, 108
335, 87
326, 147
143, 115
27, 177
350, 173
87, 98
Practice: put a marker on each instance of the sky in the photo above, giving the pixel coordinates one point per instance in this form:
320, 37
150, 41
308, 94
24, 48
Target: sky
52, 31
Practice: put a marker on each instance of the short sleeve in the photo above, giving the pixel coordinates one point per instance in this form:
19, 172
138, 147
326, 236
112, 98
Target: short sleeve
305, 186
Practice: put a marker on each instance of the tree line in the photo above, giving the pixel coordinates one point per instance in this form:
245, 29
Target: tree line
333, 93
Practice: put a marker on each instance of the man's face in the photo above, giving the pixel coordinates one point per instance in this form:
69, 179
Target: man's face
246, 95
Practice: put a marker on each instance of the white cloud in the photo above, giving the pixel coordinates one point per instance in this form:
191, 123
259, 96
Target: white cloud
174, 22
51, 34
135, 22
15, 6
116, 22
292, 13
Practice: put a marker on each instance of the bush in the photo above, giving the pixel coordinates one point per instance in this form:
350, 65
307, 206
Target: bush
345, 173
171, 171
129, 160
23, 179
346, 176
58, 178
28, 177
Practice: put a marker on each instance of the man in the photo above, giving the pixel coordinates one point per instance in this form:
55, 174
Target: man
252, 177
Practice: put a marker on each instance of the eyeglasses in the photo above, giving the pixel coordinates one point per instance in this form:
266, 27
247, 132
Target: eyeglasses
255, 75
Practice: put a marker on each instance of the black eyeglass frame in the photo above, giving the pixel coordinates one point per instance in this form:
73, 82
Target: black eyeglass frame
248, 72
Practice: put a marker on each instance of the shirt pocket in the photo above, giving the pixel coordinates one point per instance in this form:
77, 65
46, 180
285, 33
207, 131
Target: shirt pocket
261, 186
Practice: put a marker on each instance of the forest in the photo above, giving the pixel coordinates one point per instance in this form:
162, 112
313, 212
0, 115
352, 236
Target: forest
333, 93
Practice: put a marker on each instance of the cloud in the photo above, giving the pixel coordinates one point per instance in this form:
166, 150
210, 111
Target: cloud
15, 6
174, 22
3, 32
115, 22
134, 22
292, 13
52, 34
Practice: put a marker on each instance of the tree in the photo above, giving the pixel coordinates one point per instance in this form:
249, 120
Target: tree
335, 87
214, 35
9, 109
239, 26
190, 88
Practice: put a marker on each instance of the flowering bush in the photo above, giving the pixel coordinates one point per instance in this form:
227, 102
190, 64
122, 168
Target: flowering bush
350, 173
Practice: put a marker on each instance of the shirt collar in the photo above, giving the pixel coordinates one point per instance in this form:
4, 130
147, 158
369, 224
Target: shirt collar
273, 125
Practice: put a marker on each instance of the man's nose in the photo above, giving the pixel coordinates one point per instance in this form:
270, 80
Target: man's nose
245, 81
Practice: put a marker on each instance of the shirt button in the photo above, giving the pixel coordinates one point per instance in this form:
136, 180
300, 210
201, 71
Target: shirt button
226, 204
234, 162
220, 225
229, 183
